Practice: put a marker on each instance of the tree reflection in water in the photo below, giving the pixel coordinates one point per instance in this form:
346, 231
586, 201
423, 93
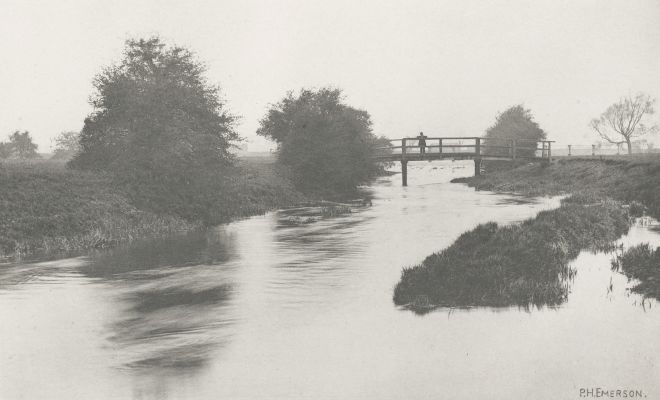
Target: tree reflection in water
176, 299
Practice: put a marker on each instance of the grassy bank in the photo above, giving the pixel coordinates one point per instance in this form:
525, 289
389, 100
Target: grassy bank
523, 264
632, 181
47, 207
44, 206
258, 185
641, 263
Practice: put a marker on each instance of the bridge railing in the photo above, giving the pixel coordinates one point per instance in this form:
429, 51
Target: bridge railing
469, 146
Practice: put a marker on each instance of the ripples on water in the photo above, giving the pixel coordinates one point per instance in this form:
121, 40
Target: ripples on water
263, 308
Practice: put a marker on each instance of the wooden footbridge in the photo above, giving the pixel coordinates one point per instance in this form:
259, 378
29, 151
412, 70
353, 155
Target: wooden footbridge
462, 148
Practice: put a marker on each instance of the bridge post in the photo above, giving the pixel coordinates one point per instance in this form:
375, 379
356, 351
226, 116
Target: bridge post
404, 172
477, 157
440, 146
569, 150
404, 164
593, 149
550, 152
542, 149
513, 148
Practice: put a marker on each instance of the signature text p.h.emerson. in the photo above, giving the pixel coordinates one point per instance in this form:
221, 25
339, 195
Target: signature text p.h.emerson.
599, 392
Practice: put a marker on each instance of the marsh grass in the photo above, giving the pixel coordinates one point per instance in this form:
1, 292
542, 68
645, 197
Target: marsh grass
522, 264
641, 263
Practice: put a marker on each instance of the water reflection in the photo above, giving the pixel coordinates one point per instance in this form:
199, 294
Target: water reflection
314, 262
174, 296
215, 246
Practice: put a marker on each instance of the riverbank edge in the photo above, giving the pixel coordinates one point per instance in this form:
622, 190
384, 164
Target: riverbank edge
634, 185
633, 181
47, 209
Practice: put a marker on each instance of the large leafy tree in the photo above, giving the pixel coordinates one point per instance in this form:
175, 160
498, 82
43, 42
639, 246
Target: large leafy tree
155, 111
327, 143
516, 123
623, 121
158, 125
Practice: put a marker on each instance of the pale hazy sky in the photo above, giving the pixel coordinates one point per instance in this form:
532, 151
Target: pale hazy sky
444, 67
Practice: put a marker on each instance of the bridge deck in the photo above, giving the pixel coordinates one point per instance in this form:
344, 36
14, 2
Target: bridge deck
462, 148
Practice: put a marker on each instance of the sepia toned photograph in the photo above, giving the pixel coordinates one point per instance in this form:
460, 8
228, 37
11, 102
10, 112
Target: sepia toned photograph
329, 200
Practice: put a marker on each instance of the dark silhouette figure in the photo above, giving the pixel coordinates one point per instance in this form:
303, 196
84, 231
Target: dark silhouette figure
421, 143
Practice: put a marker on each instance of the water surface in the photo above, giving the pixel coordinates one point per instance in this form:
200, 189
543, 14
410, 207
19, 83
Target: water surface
267, 308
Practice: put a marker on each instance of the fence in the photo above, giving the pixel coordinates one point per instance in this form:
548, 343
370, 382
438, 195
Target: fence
599, 150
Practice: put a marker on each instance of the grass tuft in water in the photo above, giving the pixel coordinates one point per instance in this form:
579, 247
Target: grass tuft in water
641, 263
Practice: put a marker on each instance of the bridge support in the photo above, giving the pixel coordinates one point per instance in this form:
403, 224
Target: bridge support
404, 173
477, 166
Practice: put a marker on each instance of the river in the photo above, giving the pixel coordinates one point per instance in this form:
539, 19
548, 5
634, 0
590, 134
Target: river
264, 308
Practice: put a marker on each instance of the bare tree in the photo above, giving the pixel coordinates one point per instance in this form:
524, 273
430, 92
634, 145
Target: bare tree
621, 122
66, 145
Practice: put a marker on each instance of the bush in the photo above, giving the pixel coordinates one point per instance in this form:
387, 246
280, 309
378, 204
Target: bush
327, 144
514, 123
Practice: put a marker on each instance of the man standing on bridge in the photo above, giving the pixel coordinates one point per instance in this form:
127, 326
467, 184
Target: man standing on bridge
422, 144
